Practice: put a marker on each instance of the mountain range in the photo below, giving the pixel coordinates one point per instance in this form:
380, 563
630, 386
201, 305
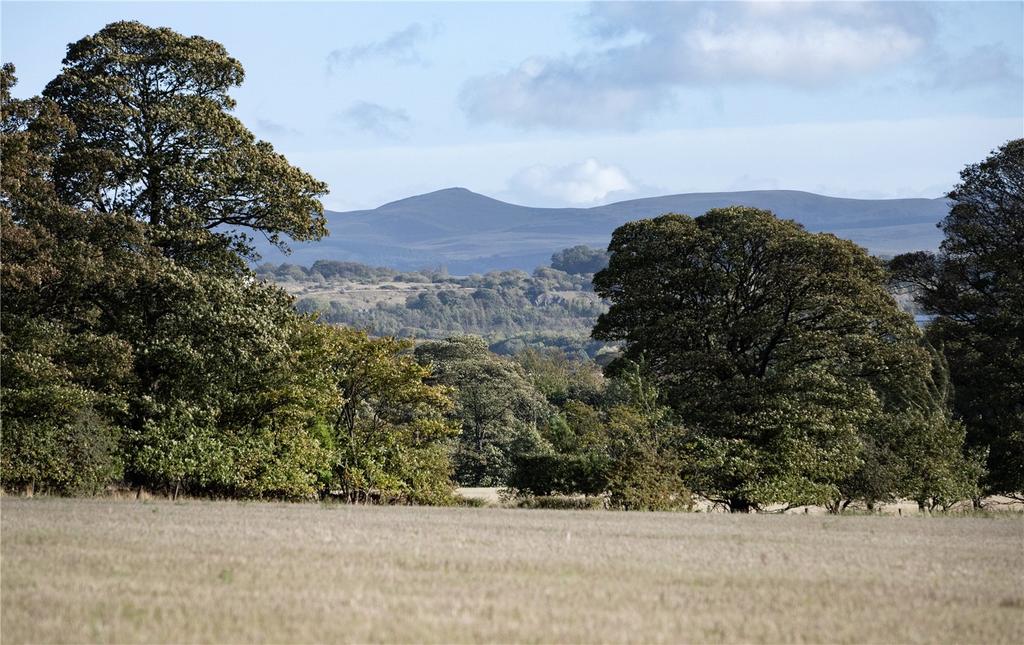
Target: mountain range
471, 233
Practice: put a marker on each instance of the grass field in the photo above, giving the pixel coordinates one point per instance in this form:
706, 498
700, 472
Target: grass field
125, 571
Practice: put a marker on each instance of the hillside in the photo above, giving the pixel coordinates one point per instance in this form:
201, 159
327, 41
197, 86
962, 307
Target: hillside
467, 232
509, 309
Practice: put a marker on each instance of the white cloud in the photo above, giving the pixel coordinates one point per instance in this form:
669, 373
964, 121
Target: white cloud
585, 183
644, 51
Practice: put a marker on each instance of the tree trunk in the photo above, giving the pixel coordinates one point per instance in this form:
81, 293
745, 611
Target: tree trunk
740, 506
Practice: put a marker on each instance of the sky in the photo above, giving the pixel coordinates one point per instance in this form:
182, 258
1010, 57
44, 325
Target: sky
572, 103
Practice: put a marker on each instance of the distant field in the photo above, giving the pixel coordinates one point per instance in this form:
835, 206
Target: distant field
125, 571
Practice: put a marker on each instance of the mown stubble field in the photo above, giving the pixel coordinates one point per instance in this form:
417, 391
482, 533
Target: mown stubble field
157, 571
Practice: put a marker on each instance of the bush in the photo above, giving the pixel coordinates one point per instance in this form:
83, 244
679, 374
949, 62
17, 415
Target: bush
547, 474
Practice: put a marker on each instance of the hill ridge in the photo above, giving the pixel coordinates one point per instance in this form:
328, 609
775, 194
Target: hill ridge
469, 232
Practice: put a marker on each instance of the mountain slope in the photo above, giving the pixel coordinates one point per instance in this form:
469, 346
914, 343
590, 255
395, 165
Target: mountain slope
468, 232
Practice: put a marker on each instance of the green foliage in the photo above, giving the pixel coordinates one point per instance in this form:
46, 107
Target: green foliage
559, 378
627, 450
643, 445
135, 342
388, 424
496, 406
975, 288
155, 141
763, 338
65, 377
645, 466
579, 259
913, 447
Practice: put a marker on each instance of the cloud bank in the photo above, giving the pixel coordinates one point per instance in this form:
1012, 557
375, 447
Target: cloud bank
644, 52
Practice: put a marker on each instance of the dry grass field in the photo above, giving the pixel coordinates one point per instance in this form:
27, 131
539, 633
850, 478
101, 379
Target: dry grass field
156, 571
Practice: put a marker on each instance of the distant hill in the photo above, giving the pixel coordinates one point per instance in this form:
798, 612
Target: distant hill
470, 233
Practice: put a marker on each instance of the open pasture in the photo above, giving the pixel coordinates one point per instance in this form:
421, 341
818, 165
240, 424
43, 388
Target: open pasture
156, 571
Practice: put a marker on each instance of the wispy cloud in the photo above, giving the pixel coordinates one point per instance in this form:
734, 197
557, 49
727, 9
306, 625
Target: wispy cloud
381, 121
401, 48
268, 126
645, 51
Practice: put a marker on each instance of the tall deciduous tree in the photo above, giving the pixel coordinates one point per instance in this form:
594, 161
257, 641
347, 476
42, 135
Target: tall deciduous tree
133, 337
975, 288
155, 140
763, 338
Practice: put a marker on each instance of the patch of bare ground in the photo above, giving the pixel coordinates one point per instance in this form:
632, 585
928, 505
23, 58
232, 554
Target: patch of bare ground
108, 570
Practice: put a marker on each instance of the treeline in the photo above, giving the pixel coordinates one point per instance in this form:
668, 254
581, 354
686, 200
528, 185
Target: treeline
759, 364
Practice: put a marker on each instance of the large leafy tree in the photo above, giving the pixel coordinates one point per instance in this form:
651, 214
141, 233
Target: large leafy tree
134, 338
155, 140
763, 338
975, 288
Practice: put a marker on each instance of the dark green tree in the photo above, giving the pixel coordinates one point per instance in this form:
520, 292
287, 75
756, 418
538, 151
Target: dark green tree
155, 141
975, 288
762, 337
134, 339
579, 259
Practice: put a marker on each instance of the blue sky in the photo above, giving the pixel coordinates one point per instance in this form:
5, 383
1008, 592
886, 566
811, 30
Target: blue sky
587, 103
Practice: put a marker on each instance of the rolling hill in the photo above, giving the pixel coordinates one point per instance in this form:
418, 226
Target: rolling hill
468, 232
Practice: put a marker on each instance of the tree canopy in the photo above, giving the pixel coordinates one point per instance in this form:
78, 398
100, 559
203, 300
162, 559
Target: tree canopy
768, 341
579, 259
155, 141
